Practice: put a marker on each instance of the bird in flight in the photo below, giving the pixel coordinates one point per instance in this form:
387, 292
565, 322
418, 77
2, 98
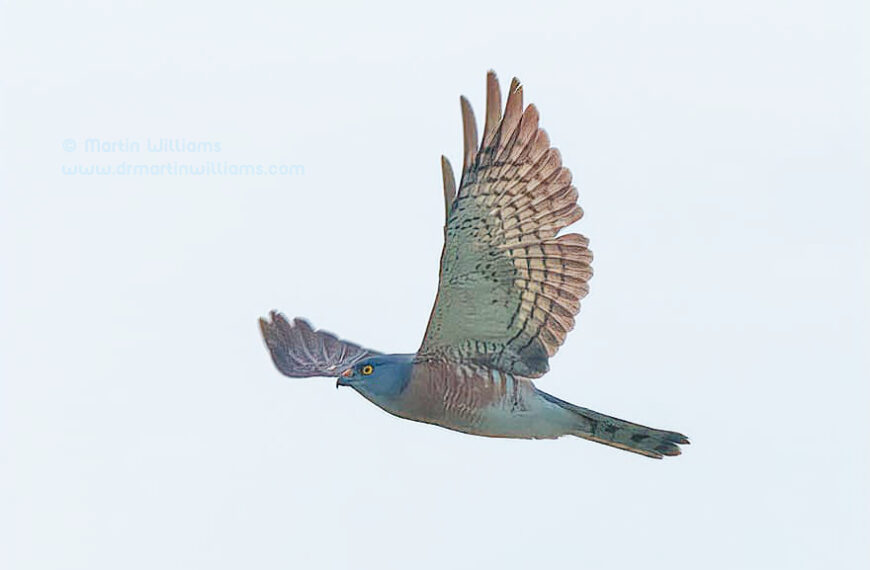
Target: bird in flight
508, 292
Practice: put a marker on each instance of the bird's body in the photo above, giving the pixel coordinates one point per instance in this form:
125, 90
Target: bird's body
508, 292
483, 401
472, 399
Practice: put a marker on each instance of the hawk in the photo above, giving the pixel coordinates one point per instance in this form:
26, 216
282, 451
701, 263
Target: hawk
509, 289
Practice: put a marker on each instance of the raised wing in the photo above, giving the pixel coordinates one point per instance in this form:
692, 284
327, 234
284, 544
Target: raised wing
509, 288
300, 351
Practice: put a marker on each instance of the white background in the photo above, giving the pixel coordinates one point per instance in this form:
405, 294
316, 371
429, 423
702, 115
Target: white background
720, 153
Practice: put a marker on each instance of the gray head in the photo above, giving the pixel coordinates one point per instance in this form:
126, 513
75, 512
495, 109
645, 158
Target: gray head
379, 377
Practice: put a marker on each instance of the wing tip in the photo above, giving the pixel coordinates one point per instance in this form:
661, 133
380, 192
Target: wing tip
270, 323
265, 330
449, 182
469, 134
516, 85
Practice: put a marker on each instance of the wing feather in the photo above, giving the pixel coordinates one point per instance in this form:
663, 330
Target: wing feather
449, 185
300, 351
469, 134
509, 287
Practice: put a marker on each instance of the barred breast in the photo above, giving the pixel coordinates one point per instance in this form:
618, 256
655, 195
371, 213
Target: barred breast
480, 401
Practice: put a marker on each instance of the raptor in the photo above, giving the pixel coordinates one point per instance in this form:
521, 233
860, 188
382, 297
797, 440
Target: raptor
509, 289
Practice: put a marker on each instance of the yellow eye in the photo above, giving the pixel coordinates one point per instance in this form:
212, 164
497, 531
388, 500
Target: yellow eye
366, 370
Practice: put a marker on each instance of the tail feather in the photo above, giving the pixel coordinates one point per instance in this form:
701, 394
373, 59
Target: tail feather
625, 435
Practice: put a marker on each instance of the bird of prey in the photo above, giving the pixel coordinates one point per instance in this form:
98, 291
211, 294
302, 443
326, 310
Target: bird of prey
509, 289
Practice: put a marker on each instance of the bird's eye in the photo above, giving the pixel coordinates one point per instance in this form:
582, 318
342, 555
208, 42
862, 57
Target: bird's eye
366, 370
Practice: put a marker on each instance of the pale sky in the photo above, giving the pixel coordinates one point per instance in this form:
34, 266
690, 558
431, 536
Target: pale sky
720, 156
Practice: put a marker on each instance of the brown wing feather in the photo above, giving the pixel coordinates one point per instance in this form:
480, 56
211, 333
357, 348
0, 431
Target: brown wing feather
449, 185
509, 287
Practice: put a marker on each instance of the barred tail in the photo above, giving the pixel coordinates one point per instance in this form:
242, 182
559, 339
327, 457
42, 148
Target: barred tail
622, 434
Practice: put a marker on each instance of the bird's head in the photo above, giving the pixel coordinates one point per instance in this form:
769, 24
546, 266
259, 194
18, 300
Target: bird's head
379, 377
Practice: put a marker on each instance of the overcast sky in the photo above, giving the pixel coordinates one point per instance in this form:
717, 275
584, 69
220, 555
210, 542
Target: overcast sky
720, 156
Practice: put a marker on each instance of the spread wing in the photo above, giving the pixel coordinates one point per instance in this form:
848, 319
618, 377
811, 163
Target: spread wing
509, 288
300, 351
